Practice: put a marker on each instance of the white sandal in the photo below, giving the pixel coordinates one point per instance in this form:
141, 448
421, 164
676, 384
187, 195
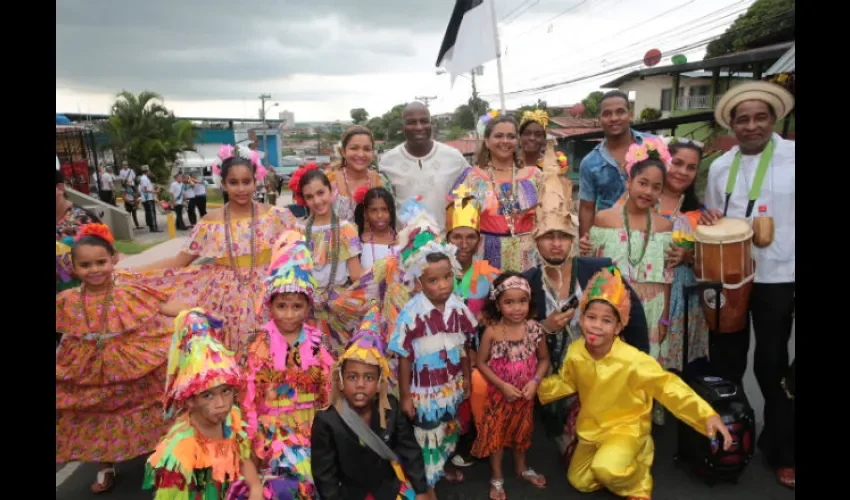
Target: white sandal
499, 486
103, 485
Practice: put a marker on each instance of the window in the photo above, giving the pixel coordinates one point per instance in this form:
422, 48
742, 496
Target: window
700, 90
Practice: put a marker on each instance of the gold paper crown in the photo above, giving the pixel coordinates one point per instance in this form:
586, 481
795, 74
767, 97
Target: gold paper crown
554, 199
607, 285
463, 211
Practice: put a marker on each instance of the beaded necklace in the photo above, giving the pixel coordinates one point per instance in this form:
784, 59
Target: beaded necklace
228, 237
508, 202
334, 246
107, 304
345, 180
646, 237
372, 243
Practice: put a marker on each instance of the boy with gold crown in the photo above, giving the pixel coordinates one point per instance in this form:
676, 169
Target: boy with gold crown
361, 440
616, 384
473, 287
287, 367
202, 454
432, 336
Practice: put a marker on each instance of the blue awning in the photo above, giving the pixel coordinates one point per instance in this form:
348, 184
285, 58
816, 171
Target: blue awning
62, 120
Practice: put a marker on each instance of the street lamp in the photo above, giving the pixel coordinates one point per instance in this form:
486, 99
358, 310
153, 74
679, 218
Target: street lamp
263, 98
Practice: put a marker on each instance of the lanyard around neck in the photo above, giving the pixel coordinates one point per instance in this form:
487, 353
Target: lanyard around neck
755, 189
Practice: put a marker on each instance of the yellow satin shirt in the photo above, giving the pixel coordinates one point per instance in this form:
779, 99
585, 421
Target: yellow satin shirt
616, 392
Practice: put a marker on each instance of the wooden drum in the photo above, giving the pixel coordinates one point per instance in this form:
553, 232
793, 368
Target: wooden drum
723, 253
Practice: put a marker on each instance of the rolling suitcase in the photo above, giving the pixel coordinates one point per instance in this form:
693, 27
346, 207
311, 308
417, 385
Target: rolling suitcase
706, 456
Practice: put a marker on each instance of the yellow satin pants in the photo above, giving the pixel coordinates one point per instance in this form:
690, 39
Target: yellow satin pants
621, 464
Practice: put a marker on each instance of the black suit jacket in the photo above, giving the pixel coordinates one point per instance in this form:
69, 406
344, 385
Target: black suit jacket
635, 333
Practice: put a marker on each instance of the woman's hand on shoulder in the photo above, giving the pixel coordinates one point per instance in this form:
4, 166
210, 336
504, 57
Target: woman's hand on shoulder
662, 224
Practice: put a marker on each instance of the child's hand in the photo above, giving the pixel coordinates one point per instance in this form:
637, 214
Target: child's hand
530, 390
511, 393
714, 425
407, 407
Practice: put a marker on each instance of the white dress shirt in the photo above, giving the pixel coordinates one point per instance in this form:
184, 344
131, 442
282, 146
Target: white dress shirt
431, 176
776, 263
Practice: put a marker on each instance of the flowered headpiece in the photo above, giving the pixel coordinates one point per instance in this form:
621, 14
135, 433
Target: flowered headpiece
197, 360
607, 285
96, 229
484, 119
226, 151
420, 237
514, 282
296, 180
290, 270
367, 347
360, 194
652, 148
538, 116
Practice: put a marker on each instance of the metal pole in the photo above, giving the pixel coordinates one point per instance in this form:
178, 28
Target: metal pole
498, 56
263, 99
474, 105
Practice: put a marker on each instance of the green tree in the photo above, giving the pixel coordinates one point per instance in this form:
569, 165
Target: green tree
359, 116
649, 114
765, 22
591, 104
143, 131
455, 133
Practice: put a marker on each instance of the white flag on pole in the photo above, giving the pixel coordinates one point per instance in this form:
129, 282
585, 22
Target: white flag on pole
470, 38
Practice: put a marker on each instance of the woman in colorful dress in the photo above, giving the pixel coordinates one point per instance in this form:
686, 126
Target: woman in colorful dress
354, 170
238, 238
636, 238
110, 364
679, 204
287, 370
508, 193
333, 244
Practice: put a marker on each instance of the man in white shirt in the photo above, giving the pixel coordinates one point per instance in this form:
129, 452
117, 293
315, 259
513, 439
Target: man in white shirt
177, 200
758, 178
200, 187
189, 199
421, 166
107, 182
147, 192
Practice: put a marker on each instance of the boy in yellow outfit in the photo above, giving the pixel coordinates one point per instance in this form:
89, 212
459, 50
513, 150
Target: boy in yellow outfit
616, 384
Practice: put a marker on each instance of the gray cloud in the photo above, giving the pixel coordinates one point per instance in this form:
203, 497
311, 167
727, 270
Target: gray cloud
220, 49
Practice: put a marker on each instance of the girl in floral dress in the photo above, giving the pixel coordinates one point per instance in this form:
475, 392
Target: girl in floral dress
287, 370
238, 238
513, 357
636, 238
334, 245
508, 193
110, 364
353, 171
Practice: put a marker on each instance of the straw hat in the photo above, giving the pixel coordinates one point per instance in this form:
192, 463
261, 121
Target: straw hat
777, 97
554, 199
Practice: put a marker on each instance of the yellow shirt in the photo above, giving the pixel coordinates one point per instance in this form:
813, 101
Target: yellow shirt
616, 392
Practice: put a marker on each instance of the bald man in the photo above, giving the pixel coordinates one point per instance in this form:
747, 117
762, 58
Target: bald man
421, 166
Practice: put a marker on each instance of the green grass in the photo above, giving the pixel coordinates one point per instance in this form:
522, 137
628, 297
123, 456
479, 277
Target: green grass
214, 195
132, 247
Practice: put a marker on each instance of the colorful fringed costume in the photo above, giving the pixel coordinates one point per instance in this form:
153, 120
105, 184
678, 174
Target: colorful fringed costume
356, 461
110, 370
435, 342
227, 286
615, 448
187, 465
286, 384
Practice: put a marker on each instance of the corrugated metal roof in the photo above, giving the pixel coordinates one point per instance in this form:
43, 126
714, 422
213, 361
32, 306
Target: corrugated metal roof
785, 64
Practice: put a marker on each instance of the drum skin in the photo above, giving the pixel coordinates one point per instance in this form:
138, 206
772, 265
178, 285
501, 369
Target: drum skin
723, 252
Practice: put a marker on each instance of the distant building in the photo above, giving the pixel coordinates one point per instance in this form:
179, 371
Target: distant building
287, 120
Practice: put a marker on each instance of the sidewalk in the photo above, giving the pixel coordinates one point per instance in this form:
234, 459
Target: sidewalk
168, 247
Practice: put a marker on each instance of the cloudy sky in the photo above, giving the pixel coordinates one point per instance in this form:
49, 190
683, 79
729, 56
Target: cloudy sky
320, 58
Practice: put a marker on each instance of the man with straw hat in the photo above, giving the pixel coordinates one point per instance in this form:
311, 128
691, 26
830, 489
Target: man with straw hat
361, 441
560, 276
756, 181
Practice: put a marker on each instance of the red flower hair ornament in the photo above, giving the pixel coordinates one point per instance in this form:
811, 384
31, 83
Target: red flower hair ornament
296, 180
360, 194
100, 230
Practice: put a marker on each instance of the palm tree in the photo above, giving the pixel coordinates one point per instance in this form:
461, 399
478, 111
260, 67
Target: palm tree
144, 132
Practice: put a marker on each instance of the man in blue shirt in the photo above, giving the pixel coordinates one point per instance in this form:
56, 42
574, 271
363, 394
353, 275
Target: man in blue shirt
602, 174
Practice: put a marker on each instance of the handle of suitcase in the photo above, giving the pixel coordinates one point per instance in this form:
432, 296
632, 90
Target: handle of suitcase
717, 286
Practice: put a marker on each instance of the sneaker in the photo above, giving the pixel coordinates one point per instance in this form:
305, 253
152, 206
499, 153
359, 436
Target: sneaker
459, 461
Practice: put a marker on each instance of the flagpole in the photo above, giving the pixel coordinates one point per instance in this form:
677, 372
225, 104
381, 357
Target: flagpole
498, 54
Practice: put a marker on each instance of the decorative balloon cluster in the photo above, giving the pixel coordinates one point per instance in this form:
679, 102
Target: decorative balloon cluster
484, 119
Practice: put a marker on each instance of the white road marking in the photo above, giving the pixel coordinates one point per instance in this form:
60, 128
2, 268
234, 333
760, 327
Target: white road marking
66, 472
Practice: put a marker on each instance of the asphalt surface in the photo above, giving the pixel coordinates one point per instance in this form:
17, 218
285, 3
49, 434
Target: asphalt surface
672, 481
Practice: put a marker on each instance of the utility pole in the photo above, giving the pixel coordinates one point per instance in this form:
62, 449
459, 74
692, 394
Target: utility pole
425, 100
474, 107
263, 99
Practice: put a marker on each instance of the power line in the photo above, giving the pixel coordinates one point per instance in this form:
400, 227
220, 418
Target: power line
516, 9
638, 63
582, 2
